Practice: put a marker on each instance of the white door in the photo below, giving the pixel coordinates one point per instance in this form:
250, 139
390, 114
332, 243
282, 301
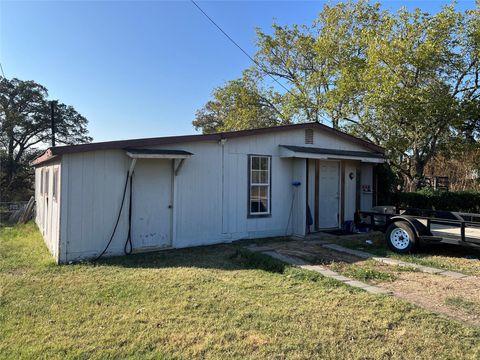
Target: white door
329, 194
152, 204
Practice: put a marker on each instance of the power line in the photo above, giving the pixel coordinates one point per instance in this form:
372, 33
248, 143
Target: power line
223, 32
246, 53
238, 46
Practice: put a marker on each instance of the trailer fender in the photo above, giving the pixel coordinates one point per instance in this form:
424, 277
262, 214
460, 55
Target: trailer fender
419, 229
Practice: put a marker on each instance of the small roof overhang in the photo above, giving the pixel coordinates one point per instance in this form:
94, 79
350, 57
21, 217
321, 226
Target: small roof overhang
157, 154
292, 151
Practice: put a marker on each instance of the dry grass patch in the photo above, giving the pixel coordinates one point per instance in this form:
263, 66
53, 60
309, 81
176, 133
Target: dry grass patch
443, 256
472, 307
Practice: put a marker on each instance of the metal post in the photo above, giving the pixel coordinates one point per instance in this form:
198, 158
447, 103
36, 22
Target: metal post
52, 117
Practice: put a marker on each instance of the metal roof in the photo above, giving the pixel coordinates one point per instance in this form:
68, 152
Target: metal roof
53, 152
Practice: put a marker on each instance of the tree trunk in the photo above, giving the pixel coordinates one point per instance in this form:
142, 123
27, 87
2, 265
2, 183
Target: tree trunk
410, 184
419, 174
10, 157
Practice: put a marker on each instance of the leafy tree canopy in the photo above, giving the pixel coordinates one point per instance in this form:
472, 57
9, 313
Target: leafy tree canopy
408, 81
239, 105
25, 124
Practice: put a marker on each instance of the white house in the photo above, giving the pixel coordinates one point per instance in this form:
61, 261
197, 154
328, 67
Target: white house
194, 190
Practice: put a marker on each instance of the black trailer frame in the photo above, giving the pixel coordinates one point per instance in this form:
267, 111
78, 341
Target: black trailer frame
421, 220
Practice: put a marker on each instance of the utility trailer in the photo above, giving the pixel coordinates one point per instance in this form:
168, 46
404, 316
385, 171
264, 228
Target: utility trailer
405, 229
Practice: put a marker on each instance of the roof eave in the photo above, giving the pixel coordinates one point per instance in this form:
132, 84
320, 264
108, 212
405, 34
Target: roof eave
47, 155
144, 142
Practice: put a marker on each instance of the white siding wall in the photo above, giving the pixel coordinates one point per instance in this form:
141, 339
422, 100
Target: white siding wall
92, 198
220, 189
48, 206
198, 198
210, 192
211, 201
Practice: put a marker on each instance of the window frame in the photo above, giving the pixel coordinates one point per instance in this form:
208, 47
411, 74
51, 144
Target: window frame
41, 182
250, 184
46, 182
55, 184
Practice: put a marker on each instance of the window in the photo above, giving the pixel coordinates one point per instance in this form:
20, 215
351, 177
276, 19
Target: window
41, 182
45, 182
55, 184
259, 187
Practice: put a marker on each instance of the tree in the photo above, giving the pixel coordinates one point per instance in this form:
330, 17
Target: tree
408, 81
308, 63
238, 105
319, 63
416, 91
25, 123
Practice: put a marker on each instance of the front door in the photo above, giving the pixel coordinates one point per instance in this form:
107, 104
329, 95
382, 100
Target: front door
152, 204
329, 194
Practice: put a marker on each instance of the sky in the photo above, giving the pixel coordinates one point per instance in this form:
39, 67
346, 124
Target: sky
142, 69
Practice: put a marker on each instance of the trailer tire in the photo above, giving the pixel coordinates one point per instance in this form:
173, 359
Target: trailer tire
400, 237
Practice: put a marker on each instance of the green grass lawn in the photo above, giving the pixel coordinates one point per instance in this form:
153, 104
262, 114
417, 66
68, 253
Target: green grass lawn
443, 256
365, 272
208, 302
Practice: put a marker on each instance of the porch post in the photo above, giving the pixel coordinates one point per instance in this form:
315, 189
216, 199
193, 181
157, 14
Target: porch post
300, 202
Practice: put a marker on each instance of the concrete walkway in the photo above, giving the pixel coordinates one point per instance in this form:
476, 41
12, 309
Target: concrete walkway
424, 290
320, 269
267, 250
395, 262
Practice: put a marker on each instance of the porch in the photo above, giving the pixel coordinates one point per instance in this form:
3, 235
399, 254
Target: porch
337, 183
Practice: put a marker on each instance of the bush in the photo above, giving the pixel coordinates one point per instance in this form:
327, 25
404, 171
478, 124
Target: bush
463, 201
387, 182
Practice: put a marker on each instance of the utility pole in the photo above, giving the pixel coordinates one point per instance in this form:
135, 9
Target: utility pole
52, 117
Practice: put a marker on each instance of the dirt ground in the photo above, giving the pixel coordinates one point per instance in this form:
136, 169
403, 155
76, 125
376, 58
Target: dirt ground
456, 298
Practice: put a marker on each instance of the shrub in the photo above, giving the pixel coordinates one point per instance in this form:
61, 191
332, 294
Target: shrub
463, 201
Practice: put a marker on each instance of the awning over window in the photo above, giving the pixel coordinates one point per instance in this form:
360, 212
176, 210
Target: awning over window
291, 151
157, 154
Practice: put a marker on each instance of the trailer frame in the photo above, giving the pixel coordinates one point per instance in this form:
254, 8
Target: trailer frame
420, 222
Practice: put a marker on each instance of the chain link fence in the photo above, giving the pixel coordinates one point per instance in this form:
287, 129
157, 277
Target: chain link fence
9, 212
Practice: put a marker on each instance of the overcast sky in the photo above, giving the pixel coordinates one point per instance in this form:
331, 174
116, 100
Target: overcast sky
141, 69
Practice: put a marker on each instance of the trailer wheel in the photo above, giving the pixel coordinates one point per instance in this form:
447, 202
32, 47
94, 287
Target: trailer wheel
400, 237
